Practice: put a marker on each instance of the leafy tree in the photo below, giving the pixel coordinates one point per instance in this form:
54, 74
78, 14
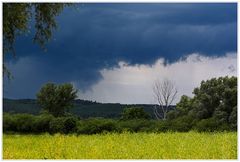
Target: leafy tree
207, 125
134, 113
70, 124
56, 99
41, 123
9, 122
24, 123
215, 99
182, 108
233, 118
182, 124
57, 125
16, 21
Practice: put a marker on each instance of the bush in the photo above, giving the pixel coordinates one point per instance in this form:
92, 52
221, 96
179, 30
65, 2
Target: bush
42, 123
96, 125
24, 123
181, 124
162, 126
134, 125
9, 122
134, 113
233, 118
70, 124
207, 125
57, 125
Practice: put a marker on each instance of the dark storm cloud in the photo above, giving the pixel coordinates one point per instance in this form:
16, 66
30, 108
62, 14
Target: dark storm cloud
97, 36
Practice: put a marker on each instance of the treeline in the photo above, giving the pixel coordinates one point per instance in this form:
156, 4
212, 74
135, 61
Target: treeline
81, 108
45, 123
212, 108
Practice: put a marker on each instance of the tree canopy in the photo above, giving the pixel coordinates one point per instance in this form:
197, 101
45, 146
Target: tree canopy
214, 103
56, 99
16, 21
134, 113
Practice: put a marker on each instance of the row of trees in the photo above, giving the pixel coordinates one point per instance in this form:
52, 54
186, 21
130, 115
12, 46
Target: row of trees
132, 120
216, 98
212, 108
58, 99
214, 104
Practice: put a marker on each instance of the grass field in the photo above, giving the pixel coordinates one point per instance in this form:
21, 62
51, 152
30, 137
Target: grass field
190, 145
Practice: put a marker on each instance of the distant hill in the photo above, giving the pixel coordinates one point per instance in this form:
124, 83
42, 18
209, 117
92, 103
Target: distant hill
82, 108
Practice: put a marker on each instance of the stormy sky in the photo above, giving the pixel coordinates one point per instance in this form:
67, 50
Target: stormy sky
115, 52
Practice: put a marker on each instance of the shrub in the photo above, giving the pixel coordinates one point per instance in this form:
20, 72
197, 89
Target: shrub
233, 118
134, 125
181, 124
134, 113
57, 125
9, 122
207, 125
162, 126
42, 123
70, 124
96, 125
24, 123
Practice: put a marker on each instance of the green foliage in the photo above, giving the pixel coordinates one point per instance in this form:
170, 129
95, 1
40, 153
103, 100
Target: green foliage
63, 125
96, 125
45, 23
57, 125
233, 118
207, 125
135, 125
162, 126
56, 99
70, 124
42, 123
213, 108
181, 124
172, 114
134, 113
82, 108
182, 108
18, 123
16, 20
214, 104
9, 122
215, 97
24, 123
